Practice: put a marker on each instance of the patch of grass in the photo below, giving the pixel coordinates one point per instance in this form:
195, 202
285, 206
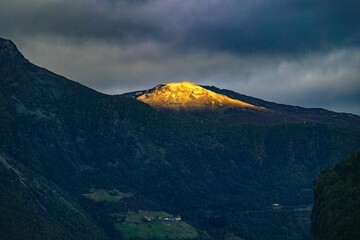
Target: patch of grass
307, 208
106, 195
135, 227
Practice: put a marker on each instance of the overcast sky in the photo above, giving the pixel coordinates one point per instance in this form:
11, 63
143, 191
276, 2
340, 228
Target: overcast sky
299, 52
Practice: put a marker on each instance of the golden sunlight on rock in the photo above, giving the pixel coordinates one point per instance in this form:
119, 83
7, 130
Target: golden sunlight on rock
189, 96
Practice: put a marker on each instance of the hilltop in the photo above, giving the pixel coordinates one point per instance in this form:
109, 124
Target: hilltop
189, 96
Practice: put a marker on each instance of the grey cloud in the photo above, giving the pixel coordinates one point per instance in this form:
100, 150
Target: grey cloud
329, 80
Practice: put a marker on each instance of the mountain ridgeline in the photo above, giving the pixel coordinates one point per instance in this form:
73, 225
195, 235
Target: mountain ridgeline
79, 164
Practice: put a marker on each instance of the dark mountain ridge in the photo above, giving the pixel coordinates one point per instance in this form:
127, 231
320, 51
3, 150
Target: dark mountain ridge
59, 140
285, 112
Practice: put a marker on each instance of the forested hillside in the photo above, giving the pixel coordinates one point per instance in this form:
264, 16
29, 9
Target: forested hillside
337, 202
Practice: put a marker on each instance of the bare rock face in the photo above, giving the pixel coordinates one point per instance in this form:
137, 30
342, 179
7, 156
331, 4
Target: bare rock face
189, 96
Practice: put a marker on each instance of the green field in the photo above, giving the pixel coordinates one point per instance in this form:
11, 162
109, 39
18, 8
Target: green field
305, 208
135, 227
99, 195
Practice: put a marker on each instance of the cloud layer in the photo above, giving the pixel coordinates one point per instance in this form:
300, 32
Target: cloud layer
290, 51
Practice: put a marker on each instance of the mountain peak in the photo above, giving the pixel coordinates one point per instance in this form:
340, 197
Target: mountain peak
9, 52
189, 96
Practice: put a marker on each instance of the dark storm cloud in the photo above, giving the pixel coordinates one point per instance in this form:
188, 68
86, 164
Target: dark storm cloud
283, 26
76, 20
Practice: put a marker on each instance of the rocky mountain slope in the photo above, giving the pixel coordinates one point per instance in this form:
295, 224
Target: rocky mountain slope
189, 96
61, 142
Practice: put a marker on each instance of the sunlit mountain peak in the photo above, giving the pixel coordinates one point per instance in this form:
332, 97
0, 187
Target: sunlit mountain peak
189, 96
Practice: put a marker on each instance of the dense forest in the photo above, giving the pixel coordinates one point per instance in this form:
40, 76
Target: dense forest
337, 202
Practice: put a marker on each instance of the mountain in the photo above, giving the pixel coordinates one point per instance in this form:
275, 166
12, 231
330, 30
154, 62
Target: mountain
188, 100
336, 214
79, 164
189, 97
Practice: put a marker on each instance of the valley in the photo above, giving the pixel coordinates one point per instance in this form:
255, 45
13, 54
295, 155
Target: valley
79, 164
